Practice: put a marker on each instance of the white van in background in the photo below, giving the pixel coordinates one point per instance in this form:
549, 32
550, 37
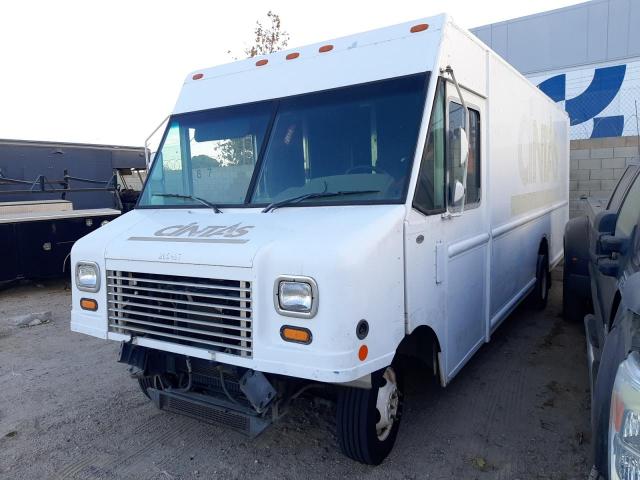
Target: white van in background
315, 215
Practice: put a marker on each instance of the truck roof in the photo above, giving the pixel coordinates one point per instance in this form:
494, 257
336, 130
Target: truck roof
394, 51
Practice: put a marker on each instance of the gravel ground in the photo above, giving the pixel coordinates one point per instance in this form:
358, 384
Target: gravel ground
518, 410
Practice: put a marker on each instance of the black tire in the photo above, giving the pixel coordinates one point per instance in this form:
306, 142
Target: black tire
576, 288
358, 417
540, 294
574, 307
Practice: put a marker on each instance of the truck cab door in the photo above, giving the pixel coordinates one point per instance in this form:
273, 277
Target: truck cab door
447, 243
467, 236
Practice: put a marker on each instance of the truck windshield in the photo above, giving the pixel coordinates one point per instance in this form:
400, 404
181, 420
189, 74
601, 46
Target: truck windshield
357, 138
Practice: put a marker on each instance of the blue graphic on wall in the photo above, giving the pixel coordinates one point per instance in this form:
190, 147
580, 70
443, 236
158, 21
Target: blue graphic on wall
598, 95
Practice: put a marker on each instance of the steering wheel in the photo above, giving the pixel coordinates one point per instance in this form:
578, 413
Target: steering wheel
370, 168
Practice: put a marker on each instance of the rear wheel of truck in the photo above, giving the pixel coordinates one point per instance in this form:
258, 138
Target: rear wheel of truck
368, 420
540, 294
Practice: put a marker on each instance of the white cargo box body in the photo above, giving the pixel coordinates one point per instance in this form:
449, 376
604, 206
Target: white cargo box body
447, 275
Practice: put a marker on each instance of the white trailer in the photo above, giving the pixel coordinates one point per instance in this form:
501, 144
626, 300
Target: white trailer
318, 214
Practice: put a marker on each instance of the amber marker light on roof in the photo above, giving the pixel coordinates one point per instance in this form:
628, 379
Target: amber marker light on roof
197, 76
421, 27
262, 62
293, 55
325, 48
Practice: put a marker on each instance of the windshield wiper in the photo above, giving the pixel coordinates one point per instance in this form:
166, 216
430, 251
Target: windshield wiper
189, 197
306, 196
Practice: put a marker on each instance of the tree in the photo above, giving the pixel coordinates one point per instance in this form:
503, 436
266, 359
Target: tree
269, 38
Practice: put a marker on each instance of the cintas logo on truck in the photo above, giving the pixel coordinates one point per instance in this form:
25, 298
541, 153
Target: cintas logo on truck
194, 233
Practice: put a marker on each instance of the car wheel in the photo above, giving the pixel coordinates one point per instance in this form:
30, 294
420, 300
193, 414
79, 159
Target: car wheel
368, 420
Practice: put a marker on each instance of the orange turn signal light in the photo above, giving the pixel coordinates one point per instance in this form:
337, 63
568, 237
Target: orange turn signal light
262, 62
363, 352
296, 334
197, 76
325, 48
89, 304
292, 55
421, 27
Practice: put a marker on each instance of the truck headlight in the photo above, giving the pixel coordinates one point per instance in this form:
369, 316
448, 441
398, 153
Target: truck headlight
296, 296
87, 276
624, 421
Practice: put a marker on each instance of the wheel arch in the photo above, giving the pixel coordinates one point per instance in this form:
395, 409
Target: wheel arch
423, 345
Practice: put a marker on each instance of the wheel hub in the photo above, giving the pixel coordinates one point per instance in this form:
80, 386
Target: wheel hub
387, 404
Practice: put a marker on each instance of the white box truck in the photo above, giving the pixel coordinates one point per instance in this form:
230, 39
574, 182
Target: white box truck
315, 215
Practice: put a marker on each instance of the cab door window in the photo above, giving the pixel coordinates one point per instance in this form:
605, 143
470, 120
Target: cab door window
457, 122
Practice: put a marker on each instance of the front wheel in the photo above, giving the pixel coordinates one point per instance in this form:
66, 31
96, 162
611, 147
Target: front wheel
368, 420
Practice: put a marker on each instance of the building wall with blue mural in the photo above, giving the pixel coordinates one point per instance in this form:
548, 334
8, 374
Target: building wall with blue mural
585, 56
601, 100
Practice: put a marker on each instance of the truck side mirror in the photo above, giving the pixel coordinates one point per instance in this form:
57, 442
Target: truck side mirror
458, 192
605, 222
464, 147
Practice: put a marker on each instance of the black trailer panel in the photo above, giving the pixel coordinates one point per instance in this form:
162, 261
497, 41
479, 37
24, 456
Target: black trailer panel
52, 194
39, 247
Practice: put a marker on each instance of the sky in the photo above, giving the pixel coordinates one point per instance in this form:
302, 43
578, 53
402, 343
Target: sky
109, 72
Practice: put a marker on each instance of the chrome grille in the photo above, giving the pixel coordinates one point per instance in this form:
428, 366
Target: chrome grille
200, 312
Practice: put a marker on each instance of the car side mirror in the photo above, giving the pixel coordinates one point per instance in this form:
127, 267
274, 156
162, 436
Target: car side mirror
605, 222
608, 244
609, 267
463, 153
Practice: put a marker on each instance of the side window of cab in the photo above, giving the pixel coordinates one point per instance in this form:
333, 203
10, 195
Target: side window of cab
437, 164
457, 122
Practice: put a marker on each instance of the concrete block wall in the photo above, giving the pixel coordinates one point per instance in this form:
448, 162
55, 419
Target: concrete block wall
596, 165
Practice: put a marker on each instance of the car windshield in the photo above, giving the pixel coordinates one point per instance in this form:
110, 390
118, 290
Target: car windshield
357, 138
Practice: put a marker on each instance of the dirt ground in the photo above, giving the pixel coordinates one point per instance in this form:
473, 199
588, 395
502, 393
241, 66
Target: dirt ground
518, 410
